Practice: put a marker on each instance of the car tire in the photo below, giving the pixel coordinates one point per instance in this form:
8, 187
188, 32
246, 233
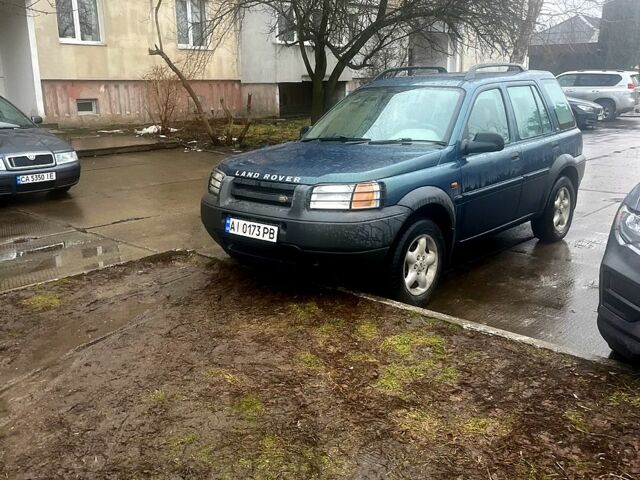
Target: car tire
609, 109
420, 249
555, 222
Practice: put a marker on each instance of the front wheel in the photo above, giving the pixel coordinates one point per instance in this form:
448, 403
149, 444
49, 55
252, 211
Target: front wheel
416, 263
554, 223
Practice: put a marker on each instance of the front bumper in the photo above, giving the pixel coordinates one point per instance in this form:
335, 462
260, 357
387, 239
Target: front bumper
66, 176
586, 119
619, 309
311, 236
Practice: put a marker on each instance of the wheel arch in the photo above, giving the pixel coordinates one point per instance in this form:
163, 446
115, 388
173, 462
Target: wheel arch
565, 165
432, 203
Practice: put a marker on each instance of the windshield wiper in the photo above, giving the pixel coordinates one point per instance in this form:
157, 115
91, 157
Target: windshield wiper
340, 138
405, 141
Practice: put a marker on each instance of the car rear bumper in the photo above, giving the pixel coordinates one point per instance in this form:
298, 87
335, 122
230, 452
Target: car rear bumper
367, 235
66, 176
619, 309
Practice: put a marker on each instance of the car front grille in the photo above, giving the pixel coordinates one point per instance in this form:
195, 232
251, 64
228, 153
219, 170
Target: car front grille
258, 191
31, 160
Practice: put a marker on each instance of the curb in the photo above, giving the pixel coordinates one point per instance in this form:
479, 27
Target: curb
98, 152
487, 330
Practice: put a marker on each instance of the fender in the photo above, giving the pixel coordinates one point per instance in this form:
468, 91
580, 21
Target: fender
423, 196
560, 164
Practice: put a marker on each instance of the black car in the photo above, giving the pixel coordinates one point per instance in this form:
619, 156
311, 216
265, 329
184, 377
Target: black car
619, 309
31, 158
587, 114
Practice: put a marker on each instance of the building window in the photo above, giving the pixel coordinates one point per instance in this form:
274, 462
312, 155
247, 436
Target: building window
191, 23
79, 21
87, 106
286, 28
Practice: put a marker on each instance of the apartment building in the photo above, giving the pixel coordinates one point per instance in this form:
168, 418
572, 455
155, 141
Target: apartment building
78, 62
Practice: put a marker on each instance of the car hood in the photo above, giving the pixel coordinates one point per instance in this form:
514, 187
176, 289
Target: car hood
633, 199
318, 162
30, 140
579, 101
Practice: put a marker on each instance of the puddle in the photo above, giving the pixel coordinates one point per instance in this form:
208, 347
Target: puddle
59, 255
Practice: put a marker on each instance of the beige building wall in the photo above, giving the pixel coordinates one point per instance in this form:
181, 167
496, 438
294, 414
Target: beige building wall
111, 72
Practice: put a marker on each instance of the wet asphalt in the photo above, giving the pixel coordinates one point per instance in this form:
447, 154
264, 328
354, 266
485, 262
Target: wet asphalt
132, 205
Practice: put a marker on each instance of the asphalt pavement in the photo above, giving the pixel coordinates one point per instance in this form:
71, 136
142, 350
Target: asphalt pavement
131, 205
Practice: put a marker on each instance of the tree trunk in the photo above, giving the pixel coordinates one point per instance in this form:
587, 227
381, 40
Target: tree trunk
521, 44
317, 99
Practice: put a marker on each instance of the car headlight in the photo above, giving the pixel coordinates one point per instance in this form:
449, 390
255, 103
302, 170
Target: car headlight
215, 181
586, 108
66, 157
346, 196
627, 228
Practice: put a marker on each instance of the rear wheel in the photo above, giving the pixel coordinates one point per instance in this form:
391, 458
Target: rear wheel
416, 263
609, 109
554, 223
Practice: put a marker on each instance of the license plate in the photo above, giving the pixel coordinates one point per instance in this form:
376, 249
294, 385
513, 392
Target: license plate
36, 178
244, 228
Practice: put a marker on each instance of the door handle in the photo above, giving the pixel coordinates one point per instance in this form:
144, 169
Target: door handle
515, 156
555, 144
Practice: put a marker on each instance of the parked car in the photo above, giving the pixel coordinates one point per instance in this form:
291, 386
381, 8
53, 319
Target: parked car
619, 309
616, 91
31, 158
404, 169
587, 114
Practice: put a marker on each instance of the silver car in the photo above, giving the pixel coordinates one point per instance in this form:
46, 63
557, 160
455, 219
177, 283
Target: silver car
617, 91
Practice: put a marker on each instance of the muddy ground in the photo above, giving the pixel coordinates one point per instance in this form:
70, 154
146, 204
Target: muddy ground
181, 367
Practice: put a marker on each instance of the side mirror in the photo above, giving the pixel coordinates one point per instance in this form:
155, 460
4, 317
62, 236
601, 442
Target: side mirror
37, 119
304, 130
483, 143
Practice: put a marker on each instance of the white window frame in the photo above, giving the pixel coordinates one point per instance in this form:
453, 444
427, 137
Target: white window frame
94, 106
190, 45
76, 26
284, 42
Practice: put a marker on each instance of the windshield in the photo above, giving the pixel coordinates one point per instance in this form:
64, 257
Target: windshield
11, 117
391, 113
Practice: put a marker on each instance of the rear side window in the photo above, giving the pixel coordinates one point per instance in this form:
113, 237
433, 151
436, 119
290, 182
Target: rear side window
636, 80
488, 115
567, 80
531, 116
561, 107
597, 80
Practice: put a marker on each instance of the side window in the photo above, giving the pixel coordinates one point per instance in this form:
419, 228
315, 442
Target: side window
488, 115
529, 119
597, 80
544, 115
561, 107
567, 80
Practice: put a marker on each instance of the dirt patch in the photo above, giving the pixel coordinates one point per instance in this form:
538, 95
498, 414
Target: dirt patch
208, 371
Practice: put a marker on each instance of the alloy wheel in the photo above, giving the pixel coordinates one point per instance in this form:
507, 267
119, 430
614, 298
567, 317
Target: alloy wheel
421, 264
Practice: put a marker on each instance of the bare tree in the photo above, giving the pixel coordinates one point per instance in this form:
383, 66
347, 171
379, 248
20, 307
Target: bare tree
355, 32
207, 32
528, 22
161, 89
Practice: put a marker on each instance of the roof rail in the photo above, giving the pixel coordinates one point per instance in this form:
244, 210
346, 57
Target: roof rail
511, 67
390, 72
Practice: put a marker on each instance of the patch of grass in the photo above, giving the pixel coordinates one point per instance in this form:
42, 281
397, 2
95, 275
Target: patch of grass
309, 360
395, 376
420, 424
577, 421
367, 330
62, 281
361, 357
225, 375
185, 439
203, 455
42, 302
454, 327
620, 397
157, 396
249, 406
482, 426
448, 375
405, 343
304, 311
272, 132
